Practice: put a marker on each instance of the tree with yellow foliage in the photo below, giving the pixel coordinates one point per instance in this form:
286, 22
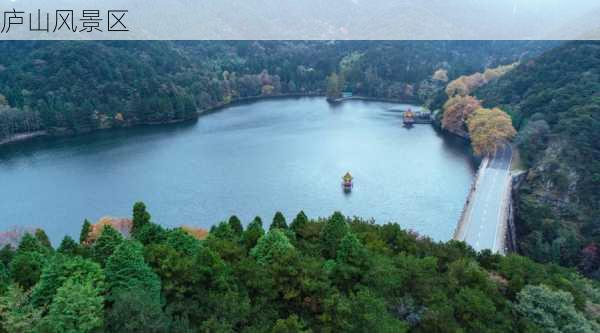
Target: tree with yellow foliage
494, 73
466, 84
456, 111
489, 129
440, 75
267, 90
457, 87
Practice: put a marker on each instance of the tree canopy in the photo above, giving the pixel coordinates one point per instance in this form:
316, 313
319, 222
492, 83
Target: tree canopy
320, 275
151, 82
489, 130
457, 111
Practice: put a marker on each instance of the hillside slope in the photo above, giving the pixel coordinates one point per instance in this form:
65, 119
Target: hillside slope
81, 86
555, 103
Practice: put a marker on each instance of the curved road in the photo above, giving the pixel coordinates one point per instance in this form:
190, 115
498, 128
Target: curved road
486, 216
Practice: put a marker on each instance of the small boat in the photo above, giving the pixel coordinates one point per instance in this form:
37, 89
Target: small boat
347, 183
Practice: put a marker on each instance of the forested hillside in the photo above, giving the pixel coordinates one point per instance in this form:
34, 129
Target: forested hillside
554, 101
327, 275
68, 87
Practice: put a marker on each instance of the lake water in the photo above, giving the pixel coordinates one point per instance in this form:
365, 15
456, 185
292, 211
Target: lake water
251, 159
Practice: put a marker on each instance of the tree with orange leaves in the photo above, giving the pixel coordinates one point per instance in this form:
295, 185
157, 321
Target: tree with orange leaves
489, 129
456, 111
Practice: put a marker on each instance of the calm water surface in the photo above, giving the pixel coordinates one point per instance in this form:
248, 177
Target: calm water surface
248, 160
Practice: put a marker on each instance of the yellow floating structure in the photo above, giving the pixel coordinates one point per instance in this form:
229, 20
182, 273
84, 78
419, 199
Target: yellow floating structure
347, 182
408, 118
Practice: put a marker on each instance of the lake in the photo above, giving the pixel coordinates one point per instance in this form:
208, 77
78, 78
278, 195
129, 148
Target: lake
249, 159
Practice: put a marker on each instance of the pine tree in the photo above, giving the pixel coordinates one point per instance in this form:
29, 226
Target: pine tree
271, 245
253, 232
222, 230
106, 244
68, 246
126, 270
299, 222
140, 217
41, 236
30, 243
278, 222
26, 267
85, 231
6, 254
334, 231
351, 263
236, 225
151, 233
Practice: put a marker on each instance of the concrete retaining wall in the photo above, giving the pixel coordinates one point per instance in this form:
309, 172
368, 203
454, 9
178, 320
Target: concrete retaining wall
511, 233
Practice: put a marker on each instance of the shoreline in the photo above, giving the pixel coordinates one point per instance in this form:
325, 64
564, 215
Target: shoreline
245, 100
25, 137
20, 137
376, 99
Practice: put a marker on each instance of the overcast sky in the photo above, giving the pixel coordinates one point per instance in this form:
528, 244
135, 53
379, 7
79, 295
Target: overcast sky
331, 19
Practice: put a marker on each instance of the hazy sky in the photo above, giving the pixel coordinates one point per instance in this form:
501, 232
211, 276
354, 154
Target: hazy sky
333, 19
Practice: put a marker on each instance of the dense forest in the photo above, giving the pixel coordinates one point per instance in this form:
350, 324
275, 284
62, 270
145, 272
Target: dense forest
334, 274
554, 101
327, 275
69, 87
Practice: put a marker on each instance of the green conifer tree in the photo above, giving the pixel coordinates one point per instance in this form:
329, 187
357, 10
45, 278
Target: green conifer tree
253, 232
299, 222
106, 244
68, 246
278, 222
332, 234
126, 270
85, 231
140, 217
236, 225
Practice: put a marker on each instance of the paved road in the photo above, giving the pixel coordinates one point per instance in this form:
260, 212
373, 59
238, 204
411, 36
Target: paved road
486, 216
